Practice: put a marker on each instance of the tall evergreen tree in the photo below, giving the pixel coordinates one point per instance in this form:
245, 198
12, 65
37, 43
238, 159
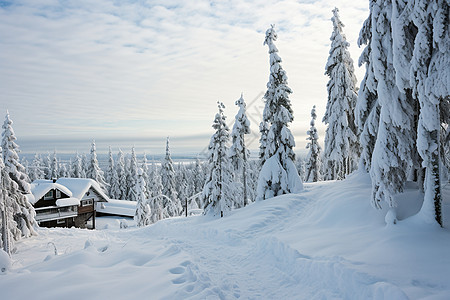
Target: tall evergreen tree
120, 184
132, 176
218, 196
84, 165
156, 183
143, 211
392, 157
37, 169
169, 183
19, 189
54, 171
145, 176
278, 174
110, 172
8, 227
77, 167
239, 153
93, 171
313, 159
62, 169
429, 78
341, 143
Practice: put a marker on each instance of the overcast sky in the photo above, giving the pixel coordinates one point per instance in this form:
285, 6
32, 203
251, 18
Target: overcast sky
138, 71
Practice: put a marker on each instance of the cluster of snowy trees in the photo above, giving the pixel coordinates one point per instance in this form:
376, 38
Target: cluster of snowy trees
403, 104
227, 184
16, 212
395, 127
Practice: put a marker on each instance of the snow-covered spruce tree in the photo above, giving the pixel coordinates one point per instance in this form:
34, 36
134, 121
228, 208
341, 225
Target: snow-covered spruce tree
156, 183
145, 176
62, 170
132, 176
218, 196
169, 184
392, 157
120, 182
6, 212
182, 186
37, 169
198, 177
156, 198
110, 172
313, 166
341, 151
93, 171
54, 166
278, 174
19, 190
239, 154
367, 110
143, 211
429, 78
77, 167
84, 165
46, 163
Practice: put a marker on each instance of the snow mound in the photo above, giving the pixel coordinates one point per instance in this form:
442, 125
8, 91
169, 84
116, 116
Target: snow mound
326, 242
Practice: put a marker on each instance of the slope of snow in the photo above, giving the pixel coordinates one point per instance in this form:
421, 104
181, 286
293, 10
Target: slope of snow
324, 243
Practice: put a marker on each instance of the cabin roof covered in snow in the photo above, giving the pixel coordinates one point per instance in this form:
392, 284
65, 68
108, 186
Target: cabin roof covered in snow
79, 186
118, 207
41, 187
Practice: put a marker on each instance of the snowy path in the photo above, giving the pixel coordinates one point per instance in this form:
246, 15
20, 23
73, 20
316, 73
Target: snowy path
294, 247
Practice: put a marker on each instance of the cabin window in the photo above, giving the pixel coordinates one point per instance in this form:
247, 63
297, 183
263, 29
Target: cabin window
87, 202
58, 194
49, 195
60, 221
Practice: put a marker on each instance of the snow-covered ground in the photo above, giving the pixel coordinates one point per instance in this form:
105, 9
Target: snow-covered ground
324, 243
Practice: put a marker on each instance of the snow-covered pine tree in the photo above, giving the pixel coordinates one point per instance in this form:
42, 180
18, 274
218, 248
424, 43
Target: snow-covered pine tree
7, 221
367, 110
23, 211
278, 174
143, 211
156, 183
77, 166
84, 165
54, 166
392, 157
169, 184
36, 170
182, 186
93, 171
110, 172
120, 188
218, 196
132, 176
239, 154
46, 162
62, 170
341, 151
313, 167
145, 176
198, 177
429, 78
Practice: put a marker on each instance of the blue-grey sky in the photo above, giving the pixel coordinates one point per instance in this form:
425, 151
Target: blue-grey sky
139, 71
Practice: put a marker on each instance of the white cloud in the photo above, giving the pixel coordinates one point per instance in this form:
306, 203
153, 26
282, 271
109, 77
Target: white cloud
157, 68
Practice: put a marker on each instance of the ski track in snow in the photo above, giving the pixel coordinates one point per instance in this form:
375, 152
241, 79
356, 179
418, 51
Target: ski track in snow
241, 256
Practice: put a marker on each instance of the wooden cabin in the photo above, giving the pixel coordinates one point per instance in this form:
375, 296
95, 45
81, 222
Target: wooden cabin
67, 202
